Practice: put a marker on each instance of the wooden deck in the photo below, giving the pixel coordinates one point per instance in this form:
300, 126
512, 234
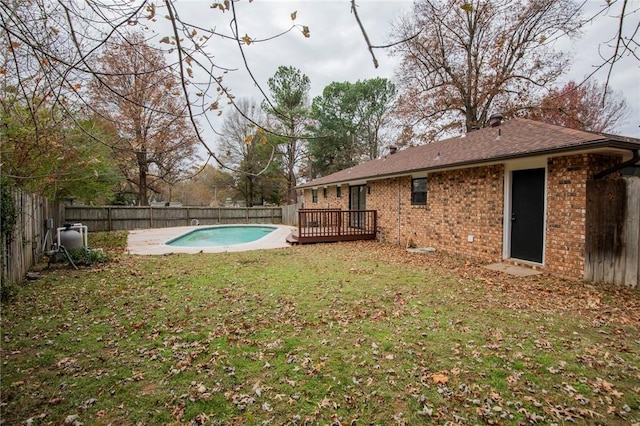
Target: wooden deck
322, 226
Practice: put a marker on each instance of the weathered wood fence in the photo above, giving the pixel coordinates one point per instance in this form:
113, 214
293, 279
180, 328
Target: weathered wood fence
21, 250
115, 218
290, 214
612, 245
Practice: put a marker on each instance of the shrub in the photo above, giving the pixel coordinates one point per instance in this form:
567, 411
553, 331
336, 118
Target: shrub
87, 257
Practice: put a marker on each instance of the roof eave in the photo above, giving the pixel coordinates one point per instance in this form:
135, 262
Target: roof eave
591, 145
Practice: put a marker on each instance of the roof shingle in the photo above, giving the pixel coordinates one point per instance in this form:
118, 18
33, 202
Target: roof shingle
514, 138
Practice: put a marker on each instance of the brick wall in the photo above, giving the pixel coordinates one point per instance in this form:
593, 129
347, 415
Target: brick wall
467, 202
459, 203
331, 201
470, 202
387, 196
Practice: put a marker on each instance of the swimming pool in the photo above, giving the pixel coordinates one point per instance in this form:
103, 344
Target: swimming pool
217, 236
154, 241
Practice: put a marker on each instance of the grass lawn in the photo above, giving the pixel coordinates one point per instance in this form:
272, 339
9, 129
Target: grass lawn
352, 333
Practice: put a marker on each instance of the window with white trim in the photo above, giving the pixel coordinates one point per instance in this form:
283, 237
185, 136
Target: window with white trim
419, 192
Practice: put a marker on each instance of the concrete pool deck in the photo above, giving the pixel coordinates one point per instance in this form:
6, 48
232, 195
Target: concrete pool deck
152, 241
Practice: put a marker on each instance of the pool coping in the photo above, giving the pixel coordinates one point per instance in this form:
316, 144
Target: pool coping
152, 241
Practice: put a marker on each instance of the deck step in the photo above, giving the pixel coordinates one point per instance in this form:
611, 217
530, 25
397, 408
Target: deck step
292, 238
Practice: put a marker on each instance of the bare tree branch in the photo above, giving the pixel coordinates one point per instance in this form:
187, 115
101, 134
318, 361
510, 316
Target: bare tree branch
354, 10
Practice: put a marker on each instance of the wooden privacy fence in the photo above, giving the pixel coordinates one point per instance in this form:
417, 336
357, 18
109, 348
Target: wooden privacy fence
612, 245
115, 218
290, 214
22, 250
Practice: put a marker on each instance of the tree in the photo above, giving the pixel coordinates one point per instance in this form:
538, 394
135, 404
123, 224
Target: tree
268, 185
219, 182
250, 152
583, 107
42, 147
137, 93
623, 42
45, 152
289, 116
67, 36
52, 44
349, 120
208, 187
334, 146
374, 98
472, 58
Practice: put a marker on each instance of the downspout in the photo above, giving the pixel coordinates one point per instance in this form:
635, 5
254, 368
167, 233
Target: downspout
634, 160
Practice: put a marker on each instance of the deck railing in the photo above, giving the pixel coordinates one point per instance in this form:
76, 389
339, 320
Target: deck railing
325, 225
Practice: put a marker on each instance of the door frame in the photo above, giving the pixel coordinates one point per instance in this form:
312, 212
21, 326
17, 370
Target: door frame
362, 191
357, 219
534, 163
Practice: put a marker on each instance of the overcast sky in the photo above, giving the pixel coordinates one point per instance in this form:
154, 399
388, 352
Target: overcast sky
336, 50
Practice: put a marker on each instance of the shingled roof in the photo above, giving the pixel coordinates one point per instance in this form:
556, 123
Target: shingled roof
515, 138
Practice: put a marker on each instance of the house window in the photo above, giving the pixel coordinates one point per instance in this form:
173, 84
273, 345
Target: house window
324, 192
419, 192
338, 191
314, 195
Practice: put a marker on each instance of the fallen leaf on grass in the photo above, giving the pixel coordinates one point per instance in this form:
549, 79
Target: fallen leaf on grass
543, 344
617, 394
440, 379
257, 389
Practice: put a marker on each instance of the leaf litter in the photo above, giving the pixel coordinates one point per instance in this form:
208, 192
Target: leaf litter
329, 334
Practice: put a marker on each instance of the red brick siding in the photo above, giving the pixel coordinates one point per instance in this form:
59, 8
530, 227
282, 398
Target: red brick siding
459, 203
386, 197
470, 202
330, 202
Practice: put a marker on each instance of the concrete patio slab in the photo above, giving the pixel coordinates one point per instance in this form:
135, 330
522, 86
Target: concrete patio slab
519, 271
153, 241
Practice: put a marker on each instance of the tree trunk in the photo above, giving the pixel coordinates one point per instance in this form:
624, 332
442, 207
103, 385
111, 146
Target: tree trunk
142, 177
291, 168
250, 192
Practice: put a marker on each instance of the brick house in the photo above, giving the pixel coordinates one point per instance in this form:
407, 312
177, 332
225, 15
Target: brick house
513, 192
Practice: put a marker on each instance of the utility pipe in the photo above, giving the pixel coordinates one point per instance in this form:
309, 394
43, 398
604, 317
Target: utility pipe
634, 160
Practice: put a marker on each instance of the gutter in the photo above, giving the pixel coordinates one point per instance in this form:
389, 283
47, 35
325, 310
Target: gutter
634, 160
